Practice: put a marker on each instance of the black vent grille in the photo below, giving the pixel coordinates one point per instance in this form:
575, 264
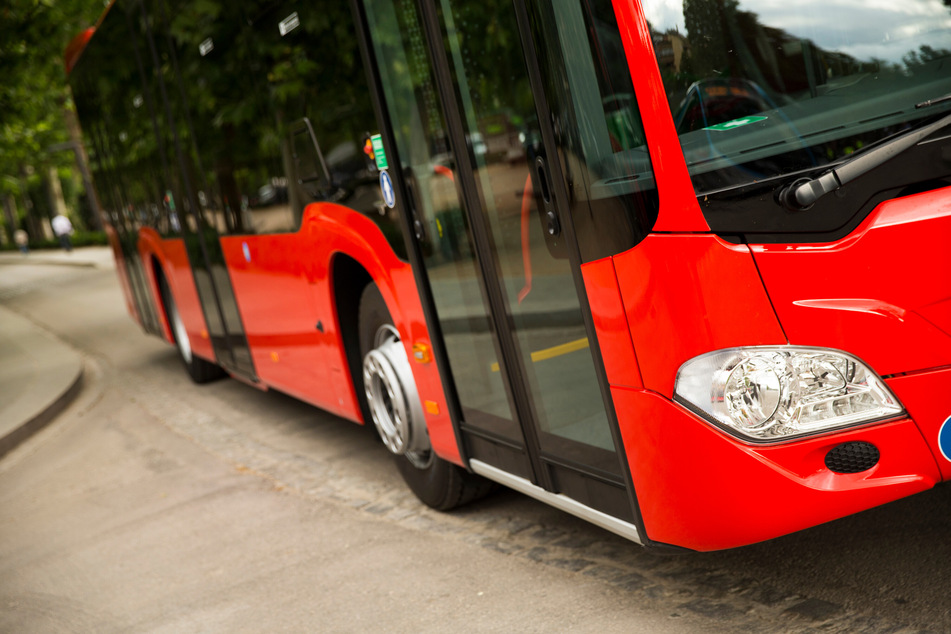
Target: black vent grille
852, 457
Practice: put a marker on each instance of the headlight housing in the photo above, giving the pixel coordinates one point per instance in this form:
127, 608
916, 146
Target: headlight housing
779, 393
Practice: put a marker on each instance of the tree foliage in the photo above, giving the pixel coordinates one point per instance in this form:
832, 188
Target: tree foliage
33, 89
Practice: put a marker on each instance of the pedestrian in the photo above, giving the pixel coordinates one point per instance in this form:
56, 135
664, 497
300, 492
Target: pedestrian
22, 240
63, 228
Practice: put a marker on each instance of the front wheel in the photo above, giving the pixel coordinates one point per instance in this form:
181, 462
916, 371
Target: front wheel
390, 395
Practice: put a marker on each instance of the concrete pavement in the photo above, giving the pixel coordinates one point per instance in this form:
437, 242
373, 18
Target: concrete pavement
39, 373
95, 257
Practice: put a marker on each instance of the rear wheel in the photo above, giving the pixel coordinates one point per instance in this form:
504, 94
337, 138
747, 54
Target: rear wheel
394, 407
198, 369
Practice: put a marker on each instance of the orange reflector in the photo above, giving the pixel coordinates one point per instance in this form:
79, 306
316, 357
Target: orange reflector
432, 407
204, 333
274, 357
422, 353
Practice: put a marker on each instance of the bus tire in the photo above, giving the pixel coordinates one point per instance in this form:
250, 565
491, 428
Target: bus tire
438, 483
199, 370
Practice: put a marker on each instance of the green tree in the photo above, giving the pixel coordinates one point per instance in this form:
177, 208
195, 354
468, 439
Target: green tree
34, 96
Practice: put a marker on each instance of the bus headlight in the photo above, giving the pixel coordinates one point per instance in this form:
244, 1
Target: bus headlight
769, 394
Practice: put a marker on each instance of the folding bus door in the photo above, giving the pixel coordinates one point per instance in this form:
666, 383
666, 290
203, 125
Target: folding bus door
480, 165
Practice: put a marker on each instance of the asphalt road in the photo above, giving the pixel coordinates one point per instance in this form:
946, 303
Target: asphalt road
151, 504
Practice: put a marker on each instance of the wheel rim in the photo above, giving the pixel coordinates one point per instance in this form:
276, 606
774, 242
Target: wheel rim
181, 335
393, 399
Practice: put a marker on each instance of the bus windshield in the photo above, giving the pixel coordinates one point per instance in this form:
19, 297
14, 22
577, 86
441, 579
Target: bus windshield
761, 89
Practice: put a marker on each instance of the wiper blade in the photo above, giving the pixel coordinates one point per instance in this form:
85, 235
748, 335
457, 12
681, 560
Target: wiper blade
932, 102
803, 193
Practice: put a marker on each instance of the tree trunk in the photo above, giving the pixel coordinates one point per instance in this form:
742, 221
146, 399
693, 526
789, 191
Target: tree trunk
10, 215
36, 225
54, 189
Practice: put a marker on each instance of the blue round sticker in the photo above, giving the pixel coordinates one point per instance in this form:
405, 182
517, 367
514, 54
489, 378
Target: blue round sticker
944, 439
386, 186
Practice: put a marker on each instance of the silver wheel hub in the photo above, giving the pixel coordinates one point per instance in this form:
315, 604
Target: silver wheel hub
181, 335
394, 402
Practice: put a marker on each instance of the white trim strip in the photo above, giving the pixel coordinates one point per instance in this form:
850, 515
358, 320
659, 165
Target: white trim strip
559, 501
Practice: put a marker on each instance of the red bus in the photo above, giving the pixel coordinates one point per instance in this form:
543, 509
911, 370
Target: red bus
678, 268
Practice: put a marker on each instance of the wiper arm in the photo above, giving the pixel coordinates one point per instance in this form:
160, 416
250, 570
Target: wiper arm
932, 102
803, 193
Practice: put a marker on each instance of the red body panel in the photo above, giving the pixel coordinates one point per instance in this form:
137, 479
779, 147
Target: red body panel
700, 489
858, 295
689, 294
275, 290
283, 287
610, 323
173, 260
924, 395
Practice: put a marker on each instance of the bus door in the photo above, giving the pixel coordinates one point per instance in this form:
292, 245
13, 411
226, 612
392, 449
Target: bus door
479, 161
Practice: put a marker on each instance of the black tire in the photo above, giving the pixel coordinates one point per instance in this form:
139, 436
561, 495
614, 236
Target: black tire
443, 485
439, 484
199, 370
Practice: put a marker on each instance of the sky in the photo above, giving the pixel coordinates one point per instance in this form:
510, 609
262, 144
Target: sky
865, 29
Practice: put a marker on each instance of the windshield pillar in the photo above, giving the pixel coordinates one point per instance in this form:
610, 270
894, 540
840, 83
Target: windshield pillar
679, 208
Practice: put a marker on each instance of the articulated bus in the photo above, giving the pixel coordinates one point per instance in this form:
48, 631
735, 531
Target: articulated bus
678, 267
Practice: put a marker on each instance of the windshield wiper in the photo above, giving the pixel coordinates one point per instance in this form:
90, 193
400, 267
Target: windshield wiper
803, 193
932, 102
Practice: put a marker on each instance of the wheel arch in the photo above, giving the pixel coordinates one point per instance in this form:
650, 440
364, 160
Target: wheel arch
157, 276
348, 278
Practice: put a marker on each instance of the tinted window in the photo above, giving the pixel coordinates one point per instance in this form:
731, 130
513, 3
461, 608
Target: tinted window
763, 88
600, 135
279, 113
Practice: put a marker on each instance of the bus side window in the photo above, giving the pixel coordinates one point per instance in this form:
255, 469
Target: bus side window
310, 168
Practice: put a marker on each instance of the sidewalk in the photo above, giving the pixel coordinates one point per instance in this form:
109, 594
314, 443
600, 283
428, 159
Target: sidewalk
39, 374
95, 257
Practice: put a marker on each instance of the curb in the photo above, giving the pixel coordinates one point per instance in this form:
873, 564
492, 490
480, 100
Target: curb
38, 421
40, 375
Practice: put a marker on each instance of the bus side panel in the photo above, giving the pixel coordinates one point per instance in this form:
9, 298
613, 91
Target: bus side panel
686, 295
173, 259
352, 233
610, 323
700, 489
355, 235
283, 287
278, 289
